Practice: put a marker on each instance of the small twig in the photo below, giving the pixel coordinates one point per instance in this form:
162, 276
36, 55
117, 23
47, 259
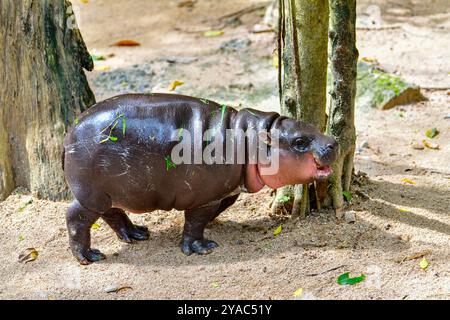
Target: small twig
435, 88
378, 28
326, 271
247, 10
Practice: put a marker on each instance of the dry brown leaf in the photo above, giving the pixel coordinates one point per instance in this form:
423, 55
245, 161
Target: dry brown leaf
414, 256
430, 145
28, 255
127, 43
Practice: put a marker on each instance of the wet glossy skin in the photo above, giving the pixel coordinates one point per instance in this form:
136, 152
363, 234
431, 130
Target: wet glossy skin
130, 171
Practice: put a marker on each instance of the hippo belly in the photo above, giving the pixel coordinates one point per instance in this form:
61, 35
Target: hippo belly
134, 172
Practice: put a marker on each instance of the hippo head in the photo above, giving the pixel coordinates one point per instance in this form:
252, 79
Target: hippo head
304, 154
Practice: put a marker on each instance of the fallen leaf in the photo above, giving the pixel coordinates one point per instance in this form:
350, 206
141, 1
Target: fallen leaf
28, 255
96, 57
175, 84
213, 33
127, 43
409, 181
423, 264
84, 1
186, 3
431, 133
26, 204
369, 59
275, 60
347, 195
405, 237
344, 279
215, 285
430, 145
21, 238
116, 289
404, 210
414, 256
102, 68
284, 199
298, 292
399, 114
95, 226
124, 288
277, 231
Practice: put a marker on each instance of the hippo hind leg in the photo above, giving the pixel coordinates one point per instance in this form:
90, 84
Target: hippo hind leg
79, 222
118, 220
196, 220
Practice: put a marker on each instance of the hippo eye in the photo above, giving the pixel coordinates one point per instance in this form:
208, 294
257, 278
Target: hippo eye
302, 144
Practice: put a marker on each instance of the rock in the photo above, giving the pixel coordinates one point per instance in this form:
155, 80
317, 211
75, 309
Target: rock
112, 288
235, 45
379, 89
350, 216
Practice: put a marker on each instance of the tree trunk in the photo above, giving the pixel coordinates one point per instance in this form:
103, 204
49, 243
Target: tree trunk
344, 58
43, 89
303, 51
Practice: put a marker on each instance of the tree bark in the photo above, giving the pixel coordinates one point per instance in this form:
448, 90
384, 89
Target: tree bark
303, 51
43, 89
344, 58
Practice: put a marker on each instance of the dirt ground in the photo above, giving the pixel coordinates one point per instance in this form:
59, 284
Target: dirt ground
396, 222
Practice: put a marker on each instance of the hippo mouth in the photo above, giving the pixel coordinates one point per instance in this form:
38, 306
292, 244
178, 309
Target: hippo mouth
322, 171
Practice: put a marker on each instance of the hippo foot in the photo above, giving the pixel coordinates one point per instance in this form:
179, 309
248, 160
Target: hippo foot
88, 256
201, 247
118, 220
130, 233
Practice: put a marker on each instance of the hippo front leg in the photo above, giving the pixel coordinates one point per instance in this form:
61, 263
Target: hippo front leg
194, 226
79, 222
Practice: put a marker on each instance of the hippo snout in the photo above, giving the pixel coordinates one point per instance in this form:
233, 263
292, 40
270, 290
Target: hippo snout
329, 153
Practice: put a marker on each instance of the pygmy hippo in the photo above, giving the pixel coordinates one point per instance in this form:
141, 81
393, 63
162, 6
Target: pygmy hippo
119, 156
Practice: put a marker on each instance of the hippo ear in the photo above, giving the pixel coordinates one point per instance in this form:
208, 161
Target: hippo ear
264, 137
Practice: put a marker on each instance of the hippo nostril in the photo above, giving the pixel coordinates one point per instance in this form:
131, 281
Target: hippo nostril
332, 146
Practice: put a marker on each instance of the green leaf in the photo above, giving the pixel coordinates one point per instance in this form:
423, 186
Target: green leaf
113, 139
347, 195
277, 231
215, 285
97, 57
26, 204
424, 264
224, 107
431, 133
169, 163
344, 279
124, 125
76, 121
284, 199
213, 33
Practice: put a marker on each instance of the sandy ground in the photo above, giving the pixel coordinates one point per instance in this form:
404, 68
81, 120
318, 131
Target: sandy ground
396, 222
